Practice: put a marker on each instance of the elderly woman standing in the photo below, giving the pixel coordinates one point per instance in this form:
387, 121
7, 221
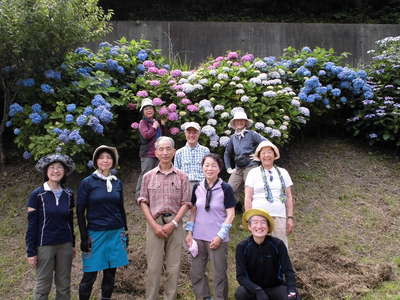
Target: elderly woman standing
210, 221
102, 224
269, 187
50, 239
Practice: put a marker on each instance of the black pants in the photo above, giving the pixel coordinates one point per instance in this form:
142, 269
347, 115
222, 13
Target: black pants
107, 285
275, 293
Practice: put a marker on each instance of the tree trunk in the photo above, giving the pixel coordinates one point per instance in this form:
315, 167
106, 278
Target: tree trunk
6, 104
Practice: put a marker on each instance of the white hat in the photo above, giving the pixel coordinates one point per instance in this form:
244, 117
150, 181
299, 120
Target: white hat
240, 115
264, 144
146, 102
194, 125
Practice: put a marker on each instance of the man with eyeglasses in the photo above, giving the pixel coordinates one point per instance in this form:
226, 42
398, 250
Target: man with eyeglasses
263, 267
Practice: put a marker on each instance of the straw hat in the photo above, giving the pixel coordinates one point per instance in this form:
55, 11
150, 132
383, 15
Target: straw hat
257, 212
264, 144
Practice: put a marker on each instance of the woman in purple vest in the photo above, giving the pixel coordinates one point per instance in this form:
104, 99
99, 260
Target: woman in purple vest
208, 229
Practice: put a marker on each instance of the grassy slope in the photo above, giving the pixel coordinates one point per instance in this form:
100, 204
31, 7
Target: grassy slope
345, 196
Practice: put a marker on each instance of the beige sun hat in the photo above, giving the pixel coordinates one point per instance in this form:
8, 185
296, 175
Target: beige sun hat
240, 115
194, 125
258, 212
100, 149
146, 102
264, 144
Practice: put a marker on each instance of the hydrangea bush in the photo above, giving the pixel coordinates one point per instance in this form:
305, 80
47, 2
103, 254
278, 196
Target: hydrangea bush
78, 103
216, 89
378, 118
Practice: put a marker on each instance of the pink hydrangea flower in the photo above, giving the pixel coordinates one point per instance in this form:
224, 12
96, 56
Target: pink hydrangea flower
177, 87
162, 72
132, 106
233, 55
216, 64
143, 94
174, 130
173, 116
236, 64
135, 125
172, 107
192, 108
219, 58
149, 64
211, 67
247, 57
171, 82
176, 73
157, 101
180, 94
154, 82
153, 70
163, 111
186, 101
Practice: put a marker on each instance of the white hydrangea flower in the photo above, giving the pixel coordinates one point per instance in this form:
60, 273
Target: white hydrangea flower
286, 118
267, 130
239, 86
214, 137
226, 69
285, 123
301, 119
244, 99
236, 109
203, 81
259, 125
236, 78
212, 122
242, 70
225, 115
213, 144
232, 83
270, 122
187, 73
295, 102
208, 130
255, 80
223, 140
283, 127
260, 64
183, 80
274, 74
304, 111
212, 72
239, 92
276, 133
219, 107
187, 88
228, 132
216, 85
197, 86
292, 93
263, 76
269, 94
204, 103
222, 76
192, 77
281, 72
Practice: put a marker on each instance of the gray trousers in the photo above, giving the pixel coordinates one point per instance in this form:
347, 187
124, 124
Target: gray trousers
54, 261
146, 164
198, 275
237, 180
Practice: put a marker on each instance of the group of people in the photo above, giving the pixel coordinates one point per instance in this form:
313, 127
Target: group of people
184, 201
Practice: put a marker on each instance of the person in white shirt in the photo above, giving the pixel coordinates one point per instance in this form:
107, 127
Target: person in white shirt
269, 187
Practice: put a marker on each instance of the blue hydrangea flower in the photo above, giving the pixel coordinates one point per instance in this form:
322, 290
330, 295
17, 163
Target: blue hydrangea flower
74, 135
166, 66
112, 65
98, 100
81, 120
90, 164
14, 109
71, 107
140, 68
100, 66
80, 141
104, 44
322, 90
306, 49
345, 84
9, 123
142, 55
27, 155
358, 83
312, 82
336, 92
114, 50
121, 70
28, 82
57, 131
302, 96
36, 118
81, 51
36, 108
107, 83
310, 62
321, 73
106, 116
84, 71
64, 136
325, 101
88, 110
17, 131
270, 60
362, 74
373, 136
69, 118
329, 65
368, 95
303, 71
51, 74
46, 88
343, 99
98, 128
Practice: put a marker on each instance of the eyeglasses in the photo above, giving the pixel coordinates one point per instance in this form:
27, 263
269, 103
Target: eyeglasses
56, 168
270, 175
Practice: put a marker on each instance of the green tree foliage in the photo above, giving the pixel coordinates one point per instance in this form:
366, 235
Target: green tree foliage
35, 35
